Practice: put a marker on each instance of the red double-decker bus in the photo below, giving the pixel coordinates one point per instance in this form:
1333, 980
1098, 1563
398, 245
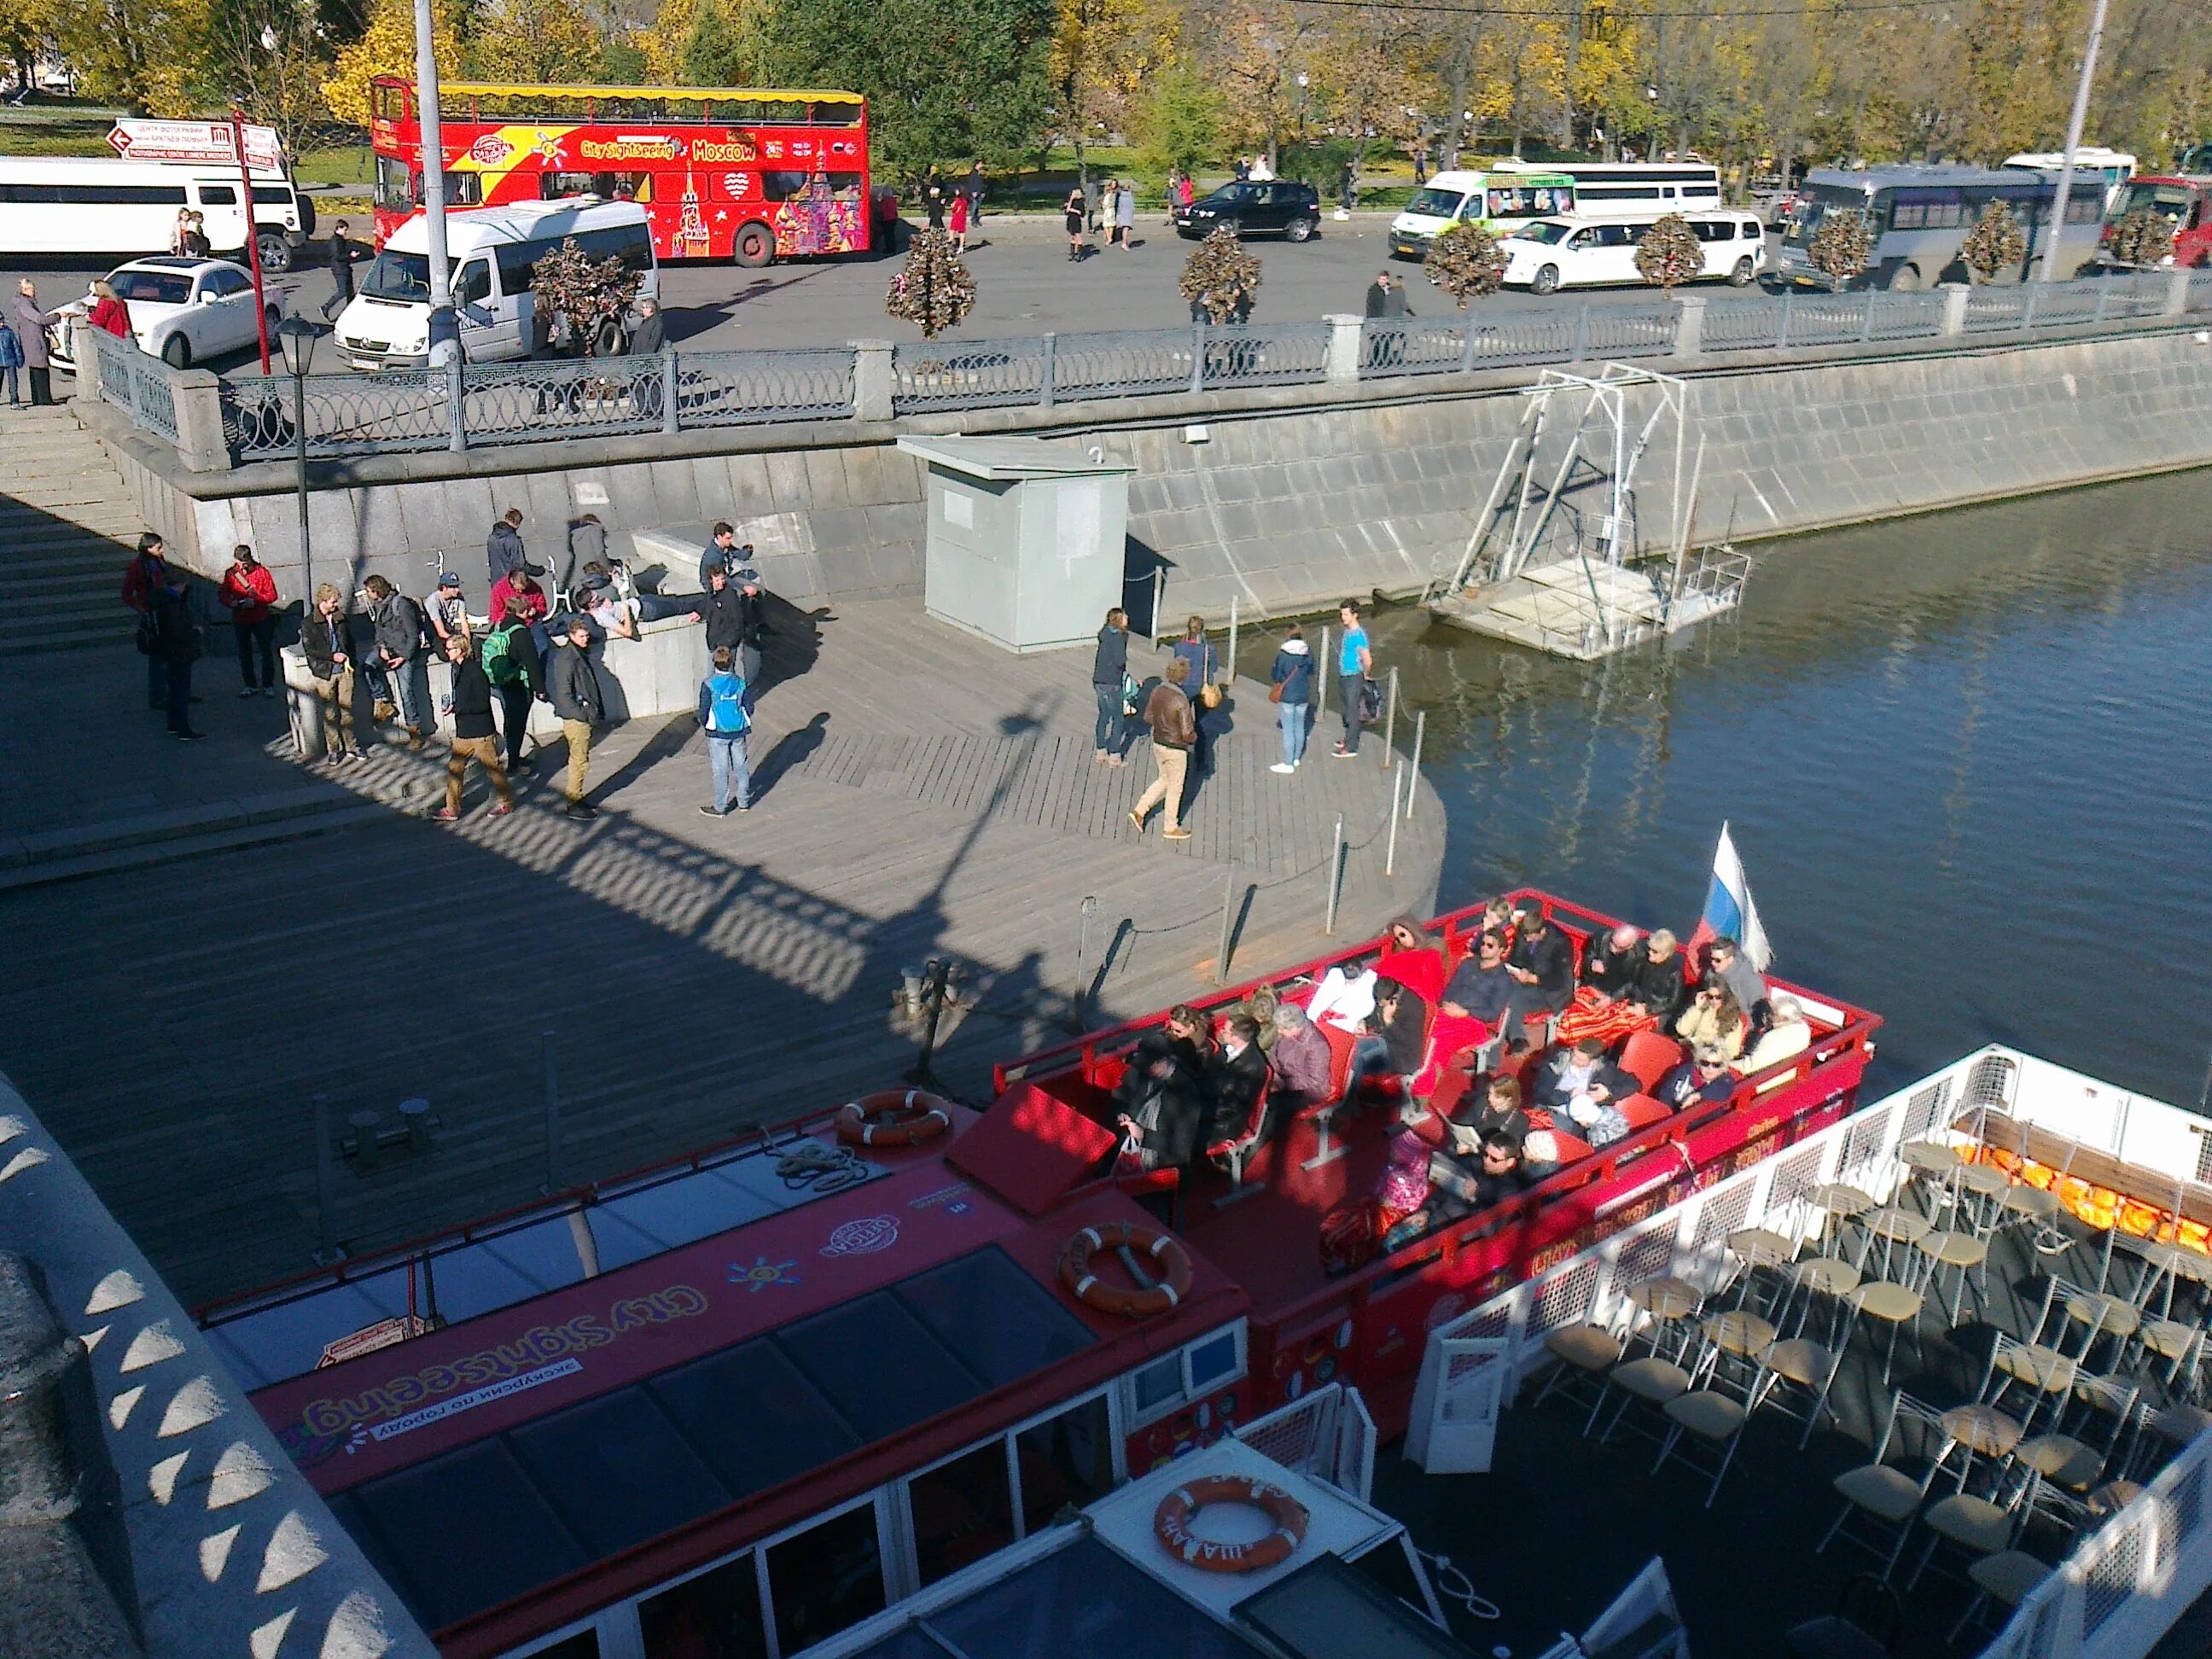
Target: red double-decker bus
724, 173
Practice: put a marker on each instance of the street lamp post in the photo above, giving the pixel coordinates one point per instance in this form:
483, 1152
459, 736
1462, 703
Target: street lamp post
297, 337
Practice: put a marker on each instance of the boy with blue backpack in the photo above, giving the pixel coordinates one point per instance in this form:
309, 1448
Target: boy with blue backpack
11, 360
722, 714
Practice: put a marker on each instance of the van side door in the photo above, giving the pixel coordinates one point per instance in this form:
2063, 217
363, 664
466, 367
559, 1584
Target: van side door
487, 326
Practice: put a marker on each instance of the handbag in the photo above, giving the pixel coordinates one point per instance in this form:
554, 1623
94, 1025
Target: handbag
1209, 696
1275, 692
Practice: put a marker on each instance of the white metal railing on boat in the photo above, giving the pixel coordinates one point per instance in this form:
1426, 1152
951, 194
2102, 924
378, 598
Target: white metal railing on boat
1326, 1434
2125, 1585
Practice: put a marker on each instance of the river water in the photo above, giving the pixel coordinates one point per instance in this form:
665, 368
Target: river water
1964, 757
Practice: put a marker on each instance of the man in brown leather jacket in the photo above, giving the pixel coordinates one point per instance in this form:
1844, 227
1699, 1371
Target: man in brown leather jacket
1174, 733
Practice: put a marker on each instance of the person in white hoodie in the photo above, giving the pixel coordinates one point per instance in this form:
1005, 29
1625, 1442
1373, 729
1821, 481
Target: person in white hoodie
1292, 676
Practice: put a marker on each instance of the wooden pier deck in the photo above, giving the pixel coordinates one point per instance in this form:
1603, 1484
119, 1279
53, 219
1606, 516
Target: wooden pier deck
922, 795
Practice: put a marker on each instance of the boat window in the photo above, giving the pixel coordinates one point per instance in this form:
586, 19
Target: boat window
1065, 1460
962, 1511
1212, 1361
1159, 1385
1190, 1374
584, 1644
716, 1615
825, 1579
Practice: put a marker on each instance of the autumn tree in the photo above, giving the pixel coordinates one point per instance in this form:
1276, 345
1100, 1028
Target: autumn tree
1841, 245
1178, 121
946, 80
386, 46
536, 40
1465, 260
727, 44
1106, 55
147, 55
269, 58
25, 27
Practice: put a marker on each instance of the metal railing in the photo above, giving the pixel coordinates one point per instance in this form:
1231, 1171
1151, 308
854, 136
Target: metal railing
671, 392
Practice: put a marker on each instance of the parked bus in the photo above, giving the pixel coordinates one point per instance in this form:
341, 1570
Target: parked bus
2185, 204
2109, 170
1627, 190
1496, 201
1920, 215
723, 172
69, 205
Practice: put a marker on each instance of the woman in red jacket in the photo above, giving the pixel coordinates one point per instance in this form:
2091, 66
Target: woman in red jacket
249, 593
109, 312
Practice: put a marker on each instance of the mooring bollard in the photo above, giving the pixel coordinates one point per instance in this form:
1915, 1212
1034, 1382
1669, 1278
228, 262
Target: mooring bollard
415, 1116
1414, 781
1390, 720
1228, 919
1321, 703
326, 1227
365, 1147
552, 1116
1335, 873
1390, 849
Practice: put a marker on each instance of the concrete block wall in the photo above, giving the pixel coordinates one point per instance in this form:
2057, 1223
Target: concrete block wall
1291, 506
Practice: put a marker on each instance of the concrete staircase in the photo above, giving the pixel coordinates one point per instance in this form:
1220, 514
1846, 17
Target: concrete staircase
67, 526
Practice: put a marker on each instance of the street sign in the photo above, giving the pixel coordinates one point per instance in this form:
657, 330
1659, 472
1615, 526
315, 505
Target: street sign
203, 141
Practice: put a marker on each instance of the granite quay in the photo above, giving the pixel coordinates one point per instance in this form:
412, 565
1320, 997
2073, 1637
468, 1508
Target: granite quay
215, 424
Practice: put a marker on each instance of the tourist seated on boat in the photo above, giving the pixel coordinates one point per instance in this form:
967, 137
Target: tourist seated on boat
1733, 969
1236, 1072
1656, 988
1583, 1088
1162, 1101
1301, 1060
1480, 986
1541, 964
1788, 1036
1502, 1170
1411, 958
1395, 1041
1498, 917
1610, 961
1715, 1017
1344, 999
1496, 1106
1702, 1078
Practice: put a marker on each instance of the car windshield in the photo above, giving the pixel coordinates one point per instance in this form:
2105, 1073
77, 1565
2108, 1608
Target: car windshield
158, 287
2172, 200
1547, 231
398, 276
1435, 204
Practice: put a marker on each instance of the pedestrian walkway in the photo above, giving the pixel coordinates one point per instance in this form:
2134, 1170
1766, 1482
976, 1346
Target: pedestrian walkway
67, 526
918, 794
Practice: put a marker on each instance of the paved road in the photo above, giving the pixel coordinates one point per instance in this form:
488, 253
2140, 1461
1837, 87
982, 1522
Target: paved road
1025, 285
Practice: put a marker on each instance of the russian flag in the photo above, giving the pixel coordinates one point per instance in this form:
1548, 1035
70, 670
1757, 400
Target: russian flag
1729, 911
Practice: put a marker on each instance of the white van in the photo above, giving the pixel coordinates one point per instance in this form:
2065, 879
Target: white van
491, 251
43, 203
1496, 201
1581, 252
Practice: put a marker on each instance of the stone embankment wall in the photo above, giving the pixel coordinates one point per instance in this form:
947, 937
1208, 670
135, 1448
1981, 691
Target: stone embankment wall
1294, 496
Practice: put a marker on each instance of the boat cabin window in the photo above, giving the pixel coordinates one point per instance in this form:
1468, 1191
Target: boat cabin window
1190, 1374
826, 1578
584, 1644
962, 1511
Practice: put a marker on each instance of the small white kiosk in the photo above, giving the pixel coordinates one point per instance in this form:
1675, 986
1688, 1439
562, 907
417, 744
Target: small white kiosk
1025, 539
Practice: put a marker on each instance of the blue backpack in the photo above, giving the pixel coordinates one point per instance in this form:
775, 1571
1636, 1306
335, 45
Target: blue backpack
726, 705
11, 348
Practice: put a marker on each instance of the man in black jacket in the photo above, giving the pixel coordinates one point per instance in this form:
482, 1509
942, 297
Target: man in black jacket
752, 629
722, 553
1397, 1033
723, 613
1109, 666
327, 640
474, 736
1542, 969
179, 640
1164, 1096
399, 651
1238, 1074
580, 701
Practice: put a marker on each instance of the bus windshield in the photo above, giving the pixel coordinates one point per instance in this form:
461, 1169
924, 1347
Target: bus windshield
1804, 218
398, 276
1435, 204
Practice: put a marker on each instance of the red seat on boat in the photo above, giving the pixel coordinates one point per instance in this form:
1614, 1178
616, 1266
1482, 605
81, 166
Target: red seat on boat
1232, 1150
1649, 1056
1642, 1112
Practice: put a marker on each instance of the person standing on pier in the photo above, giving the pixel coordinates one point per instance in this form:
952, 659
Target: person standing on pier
474, 736
1109, 670
581, 703
723, 717
503, 551
1354, 664
1292, 679
1175, 733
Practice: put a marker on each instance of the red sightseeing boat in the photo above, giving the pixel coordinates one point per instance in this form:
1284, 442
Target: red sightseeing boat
734, 1405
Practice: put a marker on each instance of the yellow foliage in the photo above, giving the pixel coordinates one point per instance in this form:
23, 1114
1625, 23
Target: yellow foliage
537, 40
387, 47
1104, 52
664, 43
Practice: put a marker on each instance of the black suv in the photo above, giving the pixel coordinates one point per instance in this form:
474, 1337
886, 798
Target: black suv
1251, 207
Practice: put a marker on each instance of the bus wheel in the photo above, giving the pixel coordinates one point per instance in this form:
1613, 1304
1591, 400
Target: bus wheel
275, 253
755, 246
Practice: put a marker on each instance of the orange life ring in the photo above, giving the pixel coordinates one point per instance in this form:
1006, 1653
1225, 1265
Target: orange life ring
1134, 1303
1171, 1524
892, 1117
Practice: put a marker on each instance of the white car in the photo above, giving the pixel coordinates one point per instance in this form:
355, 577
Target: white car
1549, 254
183, 310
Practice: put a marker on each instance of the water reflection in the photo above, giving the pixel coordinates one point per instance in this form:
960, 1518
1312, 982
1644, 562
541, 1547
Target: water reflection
1965, 757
